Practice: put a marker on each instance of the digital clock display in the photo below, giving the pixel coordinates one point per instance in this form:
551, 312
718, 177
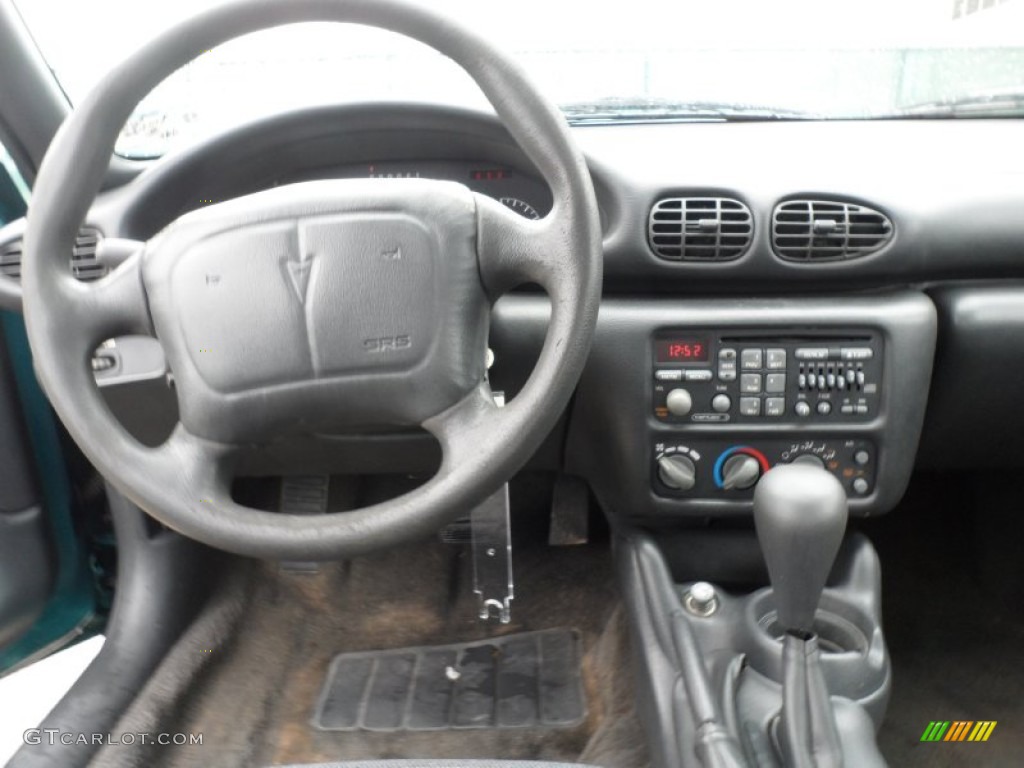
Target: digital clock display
682, 350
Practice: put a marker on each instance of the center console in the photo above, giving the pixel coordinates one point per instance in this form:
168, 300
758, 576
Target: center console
686, 404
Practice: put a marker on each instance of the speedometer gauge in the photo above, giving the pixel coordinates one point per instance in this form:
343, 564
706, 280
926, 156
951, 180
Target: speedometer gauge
521, 207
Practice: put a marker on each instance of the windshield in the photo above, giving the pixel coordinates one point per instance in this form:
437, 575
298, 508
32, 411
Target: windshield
639, 60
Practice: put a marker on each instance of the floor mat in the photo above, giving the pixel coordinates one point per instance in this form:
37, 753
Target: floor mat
530, 679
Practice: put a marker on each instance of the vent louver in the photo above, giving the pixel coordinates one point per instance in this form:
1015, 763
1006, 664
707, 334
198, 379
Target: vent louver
83, 258
10, 259
84, 265
821, 230
700, 228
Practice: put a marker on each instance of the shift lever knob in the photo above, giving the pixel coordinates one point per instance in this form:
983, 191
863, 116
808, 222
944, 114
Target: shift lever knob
800, 514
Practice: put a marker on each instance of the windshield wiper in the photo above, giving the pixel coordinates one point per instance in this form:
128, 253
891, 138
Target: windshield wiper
1001, 103
626, 111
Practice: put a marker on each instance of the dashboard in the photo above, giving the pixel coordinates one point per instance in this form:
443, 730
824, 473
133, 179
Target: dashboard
838, 293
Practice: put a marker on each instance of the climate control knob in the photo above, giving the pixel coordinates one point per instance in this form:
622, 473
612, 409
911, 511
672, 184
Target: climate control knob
740, 471
677, 472
811, 459
679, 402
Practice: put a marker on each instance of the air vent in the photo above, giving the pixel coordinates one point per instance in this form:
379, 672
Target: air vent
10, 259
83, 257
819, 230
700, 228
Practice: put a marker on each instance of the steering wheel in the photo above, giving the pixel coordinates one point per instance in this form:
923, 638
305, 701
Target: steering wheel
315, 306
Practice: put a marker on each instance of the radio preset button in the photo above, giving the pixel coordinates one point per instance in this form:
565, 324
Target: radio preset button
775, 382
750, 406
775, 359
774, 406
751, 359
750, 383
802, 408
721, 403
668, 375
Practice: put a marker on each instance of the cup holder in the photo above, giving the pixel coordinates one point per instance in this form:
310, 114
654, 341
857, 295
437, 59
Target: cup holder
835, 633
854, 659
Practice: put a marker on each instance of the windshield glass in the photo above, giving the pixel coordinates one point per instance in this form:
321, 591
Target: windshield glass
643, 60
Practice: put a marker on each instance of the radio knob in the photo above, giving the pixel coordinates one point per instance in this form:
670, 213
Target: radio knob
740, 472
721, 403
679, 402
677, 472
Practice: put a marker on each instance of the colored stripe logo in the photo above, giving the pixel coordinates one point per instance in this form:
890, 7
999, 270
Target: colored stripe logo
958, 730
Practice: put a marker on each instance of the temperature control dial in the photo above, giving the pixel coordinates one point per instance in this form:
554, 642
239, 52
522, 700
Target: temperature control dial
739, 468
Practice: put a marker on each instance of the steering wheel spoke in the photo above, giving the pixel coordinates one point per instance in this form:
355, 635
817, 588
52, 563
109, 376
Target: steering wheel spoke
112, 306
514, 250
463, 429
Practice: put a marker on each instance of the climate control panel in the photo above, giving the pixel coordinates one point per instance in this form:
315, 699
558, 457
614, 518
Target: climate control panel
725, 469
709, 377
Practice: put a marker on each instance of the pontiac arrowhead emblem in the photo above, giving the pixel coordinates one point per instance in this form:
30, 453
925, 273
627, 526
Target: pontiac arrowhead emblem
299, 271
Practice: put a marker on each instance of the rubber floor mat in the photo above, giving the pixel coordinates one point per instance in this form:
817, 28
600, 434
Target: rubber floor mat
531, 679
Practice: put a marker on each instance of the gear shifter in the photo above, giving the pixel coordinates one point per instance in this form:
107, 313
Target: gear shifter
800, 514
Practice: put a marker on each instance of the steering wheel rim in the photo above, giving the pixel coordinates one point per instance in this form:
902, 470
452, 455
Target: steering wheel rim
185, 483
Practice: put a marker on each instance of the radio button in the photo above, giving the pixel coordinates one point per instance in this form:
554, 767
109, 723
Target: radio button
727, 354
699, 376
668, 375
776, 359
856, 353
802, 408
811, 353
721, 403
750, 406
751, 359
774, 406
750, 383
775, 382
